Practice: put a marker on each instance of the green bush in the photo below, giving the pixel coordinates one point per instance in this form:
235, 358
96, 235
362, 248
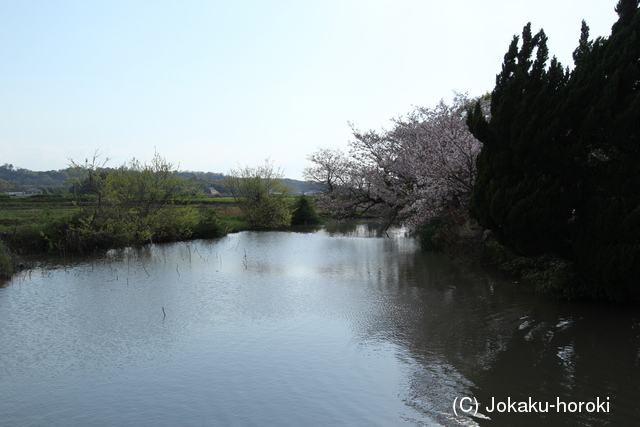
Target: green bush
427, 244
6, 262
304, 212
268, 212
209, 225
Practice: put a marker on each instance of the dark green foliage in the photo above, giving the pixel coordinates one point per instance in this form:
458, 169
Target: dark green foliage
6, 262
26, 177
519, 193
209, 226
550, 274
606, 246
604, 95
559, 171
304, 212
426, 238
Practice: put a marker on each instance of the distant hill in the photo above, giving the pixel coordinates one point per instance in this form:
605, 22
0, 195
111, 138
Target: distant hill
206, 180
16, 179
299, 187
23, 177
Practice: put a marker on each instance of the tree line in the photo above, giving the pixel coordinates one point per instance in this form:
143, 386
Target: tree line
134, 203
60, 182
548, 162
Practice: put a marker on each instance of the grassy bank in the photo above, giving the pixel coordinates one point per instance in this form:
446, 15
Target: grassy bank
64, 224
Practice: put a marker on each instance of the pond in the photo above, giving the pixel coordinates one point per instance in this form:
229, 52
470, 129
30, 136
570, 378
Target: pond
316, 327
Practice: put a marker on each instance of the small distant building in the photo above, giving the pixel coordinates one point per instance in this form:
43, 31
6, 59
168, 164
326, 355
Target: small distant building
30, 192
214, 192
33, 191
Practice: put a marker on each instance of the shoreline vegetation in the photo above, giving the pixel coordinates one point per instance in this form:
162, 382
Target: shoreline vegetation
50, 224
31, 226
136, 204
37, 225
45, 224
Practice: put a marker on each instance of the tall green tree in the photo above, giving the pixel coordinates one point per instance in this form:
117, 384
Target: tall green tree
604, 97
521, 189
559, 168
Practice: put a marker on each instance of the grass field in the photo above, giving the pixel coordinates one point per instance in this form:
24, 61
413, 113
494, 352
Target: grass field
16, 211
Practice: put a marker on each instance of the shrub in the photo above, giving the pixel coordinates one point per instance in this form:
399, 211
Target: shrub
304, 212
261, 195
6, 262
549, 274
209, 226
427, 232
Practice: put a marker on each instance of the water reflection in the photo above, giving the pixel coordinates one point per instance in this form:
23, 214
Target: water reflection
315, 326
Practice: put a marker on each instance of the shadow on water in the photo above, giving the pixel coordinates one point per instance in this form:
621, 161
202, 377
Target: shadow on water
465, 333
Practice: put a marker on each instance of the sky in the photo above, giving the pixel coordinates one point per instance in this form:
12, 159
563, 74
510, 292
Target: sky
214, 85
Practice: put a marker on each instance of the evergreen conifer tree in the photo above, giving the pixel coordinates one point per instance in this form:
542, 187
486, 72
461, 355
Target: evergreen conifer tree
604, 92
521, 191
559, 171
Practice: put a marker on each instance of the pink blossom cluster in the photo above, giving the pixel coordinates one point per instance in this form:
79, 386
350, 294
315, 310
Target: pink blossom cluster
425, 163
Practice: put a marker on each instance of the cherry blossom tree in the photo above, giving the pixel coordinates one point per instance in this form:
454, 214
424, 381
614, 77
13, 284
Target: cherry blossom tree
423, 165
328, 169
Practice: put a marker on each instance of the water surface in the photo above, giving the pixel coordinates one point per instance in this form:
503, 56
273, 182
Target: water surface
317, 327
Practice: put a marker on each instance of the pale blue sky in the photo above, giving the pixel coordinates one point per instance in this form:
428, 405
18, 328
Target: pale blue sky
213, 84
